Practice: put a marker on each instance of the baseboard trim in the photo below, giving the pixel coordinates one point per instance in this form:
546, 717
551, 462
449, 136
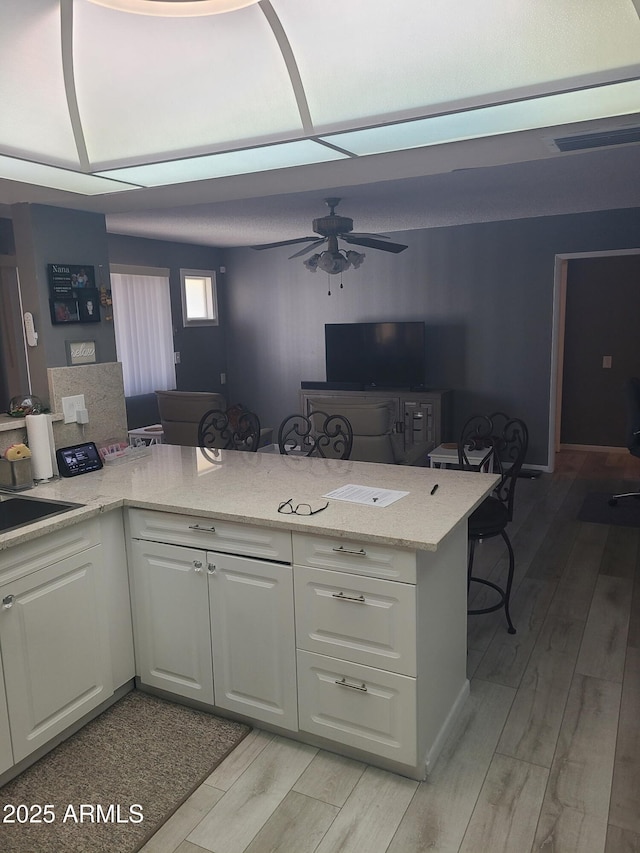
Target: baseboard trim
598, 448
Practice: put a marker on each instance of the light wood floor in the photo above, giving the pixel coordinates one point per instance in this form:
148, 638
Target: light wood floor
546, 755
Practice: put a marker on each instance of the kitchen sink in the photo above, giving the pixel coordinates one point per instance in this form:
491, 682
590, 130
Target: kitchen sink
18, 511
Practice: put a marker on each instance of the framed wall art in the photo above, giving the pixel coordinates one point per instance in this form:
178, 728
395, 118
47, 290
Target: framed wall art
74, 297
64, 311
81, 352
65, 280
89, 306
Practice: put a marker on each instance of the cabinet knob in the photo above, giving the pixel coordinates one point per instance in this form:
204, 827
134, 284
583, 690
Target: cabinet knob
7, 602
211, 568
197, 565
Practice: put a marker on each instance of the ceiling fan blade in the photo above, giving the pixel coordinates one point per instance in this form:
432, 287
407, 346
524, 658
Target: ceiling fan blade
283, 243
307, 249
364, 234
374, 244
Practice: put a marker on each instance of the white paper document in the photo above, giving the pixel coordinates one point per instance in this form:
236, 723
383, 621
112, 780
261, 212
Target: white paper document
365, 495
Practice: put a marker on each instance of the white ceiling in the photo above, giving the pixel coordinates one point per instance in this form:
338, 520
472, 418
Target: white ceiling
438, 112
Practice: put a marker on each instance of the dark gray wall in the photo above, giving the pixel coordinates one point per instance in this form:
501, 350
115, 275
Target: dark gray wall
48, 235
202, 350
602, 318
484, 290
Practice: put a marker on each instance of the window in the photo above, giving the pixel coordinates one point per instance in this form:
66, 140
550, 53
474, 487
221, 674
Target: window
143, 328
199, 298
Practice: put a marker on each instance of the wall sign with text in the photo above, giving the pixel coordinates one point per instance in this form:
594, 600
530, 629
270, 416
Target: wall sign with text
73, 292
81, 352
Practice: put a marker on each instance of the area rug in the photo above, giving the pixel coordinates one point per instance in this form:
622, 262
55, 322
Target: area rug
595, 508
113, 784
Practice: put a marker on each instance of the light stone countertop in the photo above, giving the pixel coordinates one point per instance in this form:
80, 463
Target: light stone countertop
248, 487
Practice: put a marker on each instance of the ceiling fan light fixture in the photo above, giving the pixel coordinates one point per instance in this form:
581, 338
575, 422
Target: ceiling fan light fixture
356, 259
334, 262
175, 8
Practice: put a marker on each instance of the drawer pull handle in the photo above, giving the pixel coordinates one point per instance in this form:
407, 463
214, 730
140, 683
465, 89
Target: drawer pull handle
359, 599
7, 602
197, 565
202, 529
342, 550
211, 568
342, 682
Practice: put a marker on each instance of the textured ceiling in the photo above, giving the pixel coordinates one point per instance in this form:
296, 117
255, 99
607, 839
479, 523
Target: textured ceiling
230, 129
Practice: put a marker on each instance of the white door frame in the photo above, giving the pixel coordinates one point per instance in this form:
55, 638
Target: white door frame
557, 340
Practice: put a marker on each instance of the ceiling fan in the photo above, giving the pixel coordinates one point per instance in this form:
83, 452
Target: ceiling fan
331, 229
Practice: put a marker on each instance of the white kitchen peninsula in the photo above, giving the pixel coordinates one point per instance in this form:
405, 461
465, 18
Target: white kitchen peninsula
346, 629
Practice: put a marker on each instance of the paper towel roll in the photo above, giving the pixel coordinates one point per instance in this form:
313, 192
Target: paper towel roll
38, 433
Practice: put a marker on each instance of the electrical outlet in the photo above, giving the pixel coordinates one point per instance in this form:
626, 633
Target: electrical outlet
606, 360
70, 406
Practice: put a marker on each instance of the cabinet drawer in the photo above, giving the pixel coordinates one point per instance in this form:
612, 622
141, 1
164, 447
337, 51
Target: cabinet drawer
211, 534
366, 708
44, 550
366, 558
362, 619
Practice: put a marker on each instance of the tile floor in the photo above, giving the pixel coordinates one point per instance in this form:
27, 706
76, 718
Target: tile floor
546, 754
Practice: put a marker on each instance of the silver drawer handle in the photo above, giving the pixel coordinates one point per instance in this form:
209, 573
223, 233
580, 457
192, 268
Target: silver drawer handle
202, 529
211, 568
342, 597
197, 565
7, 602
342, 682
342, 550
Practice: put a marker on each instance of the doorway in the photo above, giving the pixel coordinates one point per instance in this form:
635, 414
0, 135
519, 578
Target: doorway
595, 348
14, 374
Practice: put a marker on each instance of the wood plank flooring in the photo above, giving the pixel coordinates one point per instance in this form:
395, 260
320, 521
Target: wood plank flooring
546, 753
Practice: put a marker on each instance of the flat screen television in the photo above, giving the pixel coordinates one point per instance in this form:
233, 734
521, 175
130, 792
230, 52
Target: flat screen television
390, 355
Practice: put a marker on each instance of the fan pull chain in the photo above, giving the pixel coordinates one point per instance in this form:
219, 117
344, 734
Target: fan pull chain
328, 284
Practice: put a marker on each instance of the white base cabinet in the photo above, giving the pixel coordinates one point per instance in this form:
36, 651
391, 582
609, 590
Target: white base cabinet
6, 753
211, 626
358, 645
55, 648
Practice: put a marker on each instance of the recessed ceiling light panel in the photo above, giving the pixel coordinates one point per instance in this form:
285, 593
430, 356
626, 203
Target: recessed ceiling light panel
175, 8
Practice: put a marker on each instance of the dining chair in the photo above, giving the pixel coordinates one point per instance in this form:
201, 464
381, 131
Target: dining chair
218, 430
506, 449
320, 434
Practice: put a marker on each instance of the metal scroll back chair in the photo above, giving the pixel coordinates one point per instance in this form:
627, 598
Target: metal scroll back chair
633, 431
507, 449
217, 431
329, 436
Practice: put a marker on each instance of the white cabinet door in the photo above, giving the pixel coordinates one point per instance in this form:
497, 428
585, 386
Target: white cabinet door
55, 646
253, 638
6, 753
171, 619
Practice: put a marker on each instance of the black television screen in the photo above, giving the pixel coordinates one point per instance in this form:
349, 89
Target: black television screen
388, 355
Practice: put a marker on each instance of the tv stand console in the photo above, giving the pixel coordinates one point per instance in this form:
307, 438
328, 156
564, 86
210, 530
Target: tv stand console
423, 418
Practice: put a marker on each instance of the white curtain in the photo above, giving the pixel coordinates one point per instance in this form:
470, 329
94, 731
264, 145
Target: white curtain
144, 333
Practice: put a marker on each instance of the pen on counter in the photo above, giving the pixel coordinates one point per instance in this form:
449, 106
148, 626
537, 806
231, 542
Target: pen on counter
434, 489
